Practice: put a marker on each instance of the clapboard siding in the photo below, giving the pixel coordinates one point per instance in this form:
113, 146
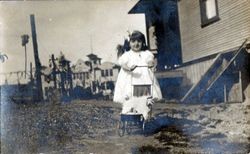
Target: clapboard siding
226, 34
195, 71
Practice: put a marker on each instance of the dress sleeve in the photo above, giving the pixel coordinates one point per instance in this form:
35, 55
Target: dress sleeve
149, 58
123, 61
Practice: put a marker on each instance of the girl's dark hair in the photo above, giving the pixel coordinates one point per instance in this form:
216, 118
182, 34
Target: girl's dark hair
122, 48
137, 35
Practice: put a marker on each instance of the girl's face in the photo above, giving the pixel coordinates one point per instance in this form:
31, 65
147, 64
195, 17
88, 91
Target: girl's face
135, 45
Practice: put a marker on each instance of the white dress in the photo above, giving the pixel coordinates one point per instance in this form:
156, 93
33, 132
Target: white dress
139, 76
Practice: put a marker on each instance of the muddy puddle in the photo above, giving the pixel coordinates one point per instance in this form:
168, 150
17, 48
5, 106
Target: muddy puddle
187, 137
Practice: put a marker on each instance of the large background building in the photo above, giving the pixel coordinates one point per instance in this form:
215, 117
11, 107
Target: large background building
214, 40
95, 74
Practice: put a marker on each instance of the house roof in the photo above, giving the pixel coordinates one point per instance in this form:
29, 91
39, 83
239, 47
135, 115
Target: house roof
93, 56
117, 66
144, 6
140, 7
106, 65
97, 68
46, 70
80, 66
62, 57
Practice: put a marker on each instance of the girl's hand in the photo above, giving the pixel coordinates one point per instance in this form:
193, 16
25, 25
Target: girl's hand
151, 64
132, 68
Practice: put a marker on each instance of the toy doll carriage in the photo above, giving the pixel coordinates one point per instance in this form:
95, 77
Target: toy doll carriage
134, 116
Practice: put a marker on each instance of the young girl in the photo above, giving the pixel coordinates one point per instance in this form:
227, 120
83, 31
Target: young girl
135, 70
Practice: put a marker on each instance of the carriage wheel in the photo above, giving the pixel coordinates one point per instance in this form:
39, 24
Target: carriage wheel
144, 128
121, 128
128, 126
141, 123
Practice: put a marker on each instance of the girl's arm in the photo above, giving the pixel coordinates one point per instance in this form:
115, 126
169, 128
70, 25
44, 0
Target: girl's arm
123, 61
150, 59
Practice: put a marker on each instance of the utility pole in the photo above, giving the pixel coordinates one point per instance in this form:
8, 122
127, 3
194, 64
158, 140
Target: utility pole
37, 61
25, 40
69, 78
54, 70
32, 81
31, 73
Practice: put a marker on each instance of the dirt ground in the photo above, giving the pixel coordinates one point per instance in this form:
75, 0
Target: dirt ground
91, 127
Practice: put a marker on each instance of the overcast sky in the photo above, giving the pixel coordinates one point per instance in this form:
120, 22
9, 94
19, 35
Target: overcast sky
65, 26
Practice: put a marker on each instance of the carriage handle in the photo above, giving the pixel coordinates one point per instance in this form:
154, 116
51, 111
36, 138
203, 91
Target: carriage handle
141, 66
152, 81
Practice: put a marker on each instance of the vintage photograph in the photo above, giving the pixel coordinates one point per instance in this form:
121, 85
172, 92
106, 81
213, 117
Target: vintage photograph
125, 76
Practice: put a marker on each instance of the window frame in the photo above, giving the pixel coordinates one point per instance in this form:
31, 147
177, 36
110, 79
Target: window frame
111, 72
204, 21
102, 73
87, 75
106, 72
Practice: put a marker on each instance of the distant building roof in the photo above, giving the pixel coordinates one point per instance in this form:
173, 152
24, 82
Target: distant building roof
107, 65
97, 68
93, 56
88, 63
117, 66
80, 66
46, 70
62, 57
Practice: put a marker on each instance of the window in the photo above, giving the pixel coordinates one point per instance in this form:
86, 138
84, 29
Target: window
80, 76
152, 38
87, 75
102, 73
111, 72
106, 72
84, 75
209, 12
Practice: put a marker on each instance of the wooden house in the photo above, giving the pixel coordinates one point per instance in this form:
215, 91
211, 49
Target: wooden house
94, 74
108, 74
81, 74
210, 27
162, 33
214, 38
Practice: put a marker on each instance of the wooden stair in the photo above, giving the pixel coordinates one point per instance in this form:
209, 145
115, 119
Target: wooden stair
215, 71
